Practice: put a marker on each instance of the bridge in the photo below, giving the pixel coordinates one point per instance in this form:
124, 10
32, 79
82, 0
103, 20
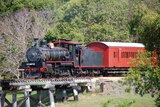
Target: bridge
26, 86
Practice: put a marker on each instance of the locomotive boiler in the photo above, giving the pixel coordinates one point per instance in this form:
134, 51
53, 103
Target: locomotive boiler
44, 53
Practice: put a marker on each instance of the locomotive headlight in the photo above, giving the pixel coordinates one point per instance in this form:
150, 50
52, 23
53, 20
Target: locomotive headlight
31, 64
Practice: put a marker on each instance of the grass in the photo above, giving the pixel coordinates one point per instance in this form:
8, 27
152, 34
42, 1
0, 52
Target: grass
101, 100
121, 100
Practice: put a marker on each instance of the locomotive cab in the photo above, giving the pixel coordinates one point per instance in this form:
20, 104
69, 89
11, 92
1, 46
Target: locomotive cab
71, 46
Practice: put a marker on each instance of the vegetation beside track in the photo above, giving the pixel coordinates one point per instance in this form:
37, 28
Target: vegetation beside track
102, 100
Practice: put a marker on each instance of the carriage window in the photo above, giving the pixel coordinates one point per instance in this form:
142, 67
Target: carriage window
124, 55
129, 54
115, 54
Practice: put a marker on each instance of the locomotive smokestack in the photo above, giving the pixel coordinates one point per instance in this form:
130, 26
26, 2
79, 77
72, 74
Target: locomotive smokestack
43, 43
35, 42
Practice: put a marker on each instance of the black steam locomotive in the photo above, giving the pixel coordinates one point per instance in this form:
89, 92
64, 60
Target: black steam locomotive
60, 58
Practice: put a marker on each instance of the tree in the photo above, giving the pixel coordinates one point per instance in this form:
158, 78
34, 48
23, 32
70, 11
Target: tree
150, 31
16, 34
143, 15
145, 76
145, 26
93, 20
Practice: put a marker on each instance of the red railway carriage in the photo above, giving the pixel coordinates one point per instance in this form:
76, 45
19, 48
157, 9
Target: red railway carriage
117, 54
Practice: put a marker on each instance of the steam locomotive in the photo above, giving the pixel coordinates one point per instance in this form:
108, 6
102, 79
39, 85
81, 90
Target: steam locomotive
67, 58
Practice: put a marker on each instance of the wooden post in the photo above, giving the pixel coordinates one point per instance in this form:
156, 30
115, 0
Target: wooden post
75, 94
39, 96
14, 100
51, 97
64, 92
1, 94
27, 96
2, 98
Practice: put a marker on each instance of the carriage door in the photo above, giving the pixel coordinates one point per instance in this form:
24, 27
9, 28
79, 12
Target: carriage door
119, 54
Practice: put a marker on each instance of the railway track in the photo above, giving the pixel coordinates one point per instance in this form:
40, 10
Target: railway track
43, 83
12, 84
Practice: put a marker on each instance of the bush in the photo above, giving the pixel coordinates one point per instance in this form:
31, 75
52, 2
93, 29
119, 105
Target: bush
128, 90
106, 104
125, 104
145, 76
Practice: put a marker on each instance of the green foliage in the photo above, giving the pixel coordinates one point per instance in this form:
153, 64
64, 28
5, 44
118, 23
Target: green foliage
92, 20
150, 31
145, 23
137, 12
144, 75
10, 6
95, 20
128, 89
106, 104
39, 4
8, 75
157, 101
121, 104
51, 36
125, 104
145, 26
3, 58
